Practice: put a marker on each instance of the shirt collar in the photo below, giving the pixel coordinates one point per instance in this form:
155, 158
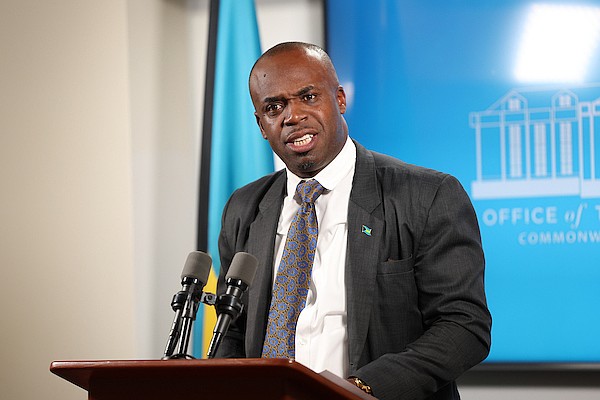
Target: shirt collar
333, 173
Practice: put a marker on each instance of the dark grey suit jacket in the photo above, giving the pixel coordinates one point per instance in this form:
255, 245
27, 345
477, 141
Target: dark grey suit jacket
417, 313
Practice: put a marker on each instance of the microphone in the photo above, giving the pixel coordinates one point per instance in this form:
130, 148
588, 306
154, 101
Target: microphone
229, 305
185, 302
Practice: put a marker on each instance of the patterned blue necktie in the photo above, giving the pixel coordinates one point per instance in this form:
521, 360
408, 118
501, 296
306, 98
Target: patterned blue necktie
293, 275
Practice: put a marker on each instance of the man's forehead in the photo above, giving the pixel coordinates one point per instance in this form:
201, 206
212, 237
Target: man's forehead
277, 82
280, 93
296, 59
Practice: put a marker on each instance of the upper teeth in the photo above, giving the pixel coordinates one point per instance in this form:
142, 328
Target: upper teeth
303, 140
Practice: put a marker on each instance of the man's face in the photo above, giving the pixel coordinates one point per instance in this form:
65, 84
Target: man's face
299, 106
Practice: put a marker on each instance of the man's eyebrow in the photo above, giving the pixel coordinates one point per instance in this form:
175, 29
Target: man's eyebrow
304, 90
299, 93
273, 99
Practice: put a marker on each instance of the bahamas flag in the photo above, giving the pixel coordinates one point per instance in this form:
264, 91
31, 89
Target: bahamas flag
238, 153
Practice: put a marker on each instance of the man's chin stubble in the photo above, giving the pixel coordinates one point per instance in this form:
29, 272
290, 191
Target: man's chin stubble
307, 165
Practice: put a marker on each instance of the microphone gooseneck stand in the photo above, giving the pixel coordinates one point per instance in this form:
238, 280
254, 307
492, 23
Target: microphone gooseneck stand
228, 308
185, 303
228, 305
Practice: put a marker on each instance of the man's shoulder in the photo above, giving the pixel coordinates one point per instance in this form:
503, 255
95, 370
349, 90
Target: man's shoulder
398, 181
259, 187
386, 165
263, 193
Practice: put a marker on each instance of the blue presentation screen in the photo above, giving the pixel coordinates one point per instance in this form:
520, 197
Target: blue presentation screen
505, 95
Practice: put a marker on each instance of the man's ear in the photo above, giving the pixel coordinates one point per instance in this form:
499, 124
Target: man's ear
262, 131
341, 99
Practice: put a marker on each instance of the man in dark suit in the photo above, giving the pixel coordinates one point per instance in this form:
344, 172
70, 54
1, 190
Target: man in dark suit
396, 300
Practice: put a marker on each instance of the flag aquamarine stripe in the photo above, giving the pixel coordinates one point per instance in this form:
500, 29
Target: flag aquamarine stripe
239, 154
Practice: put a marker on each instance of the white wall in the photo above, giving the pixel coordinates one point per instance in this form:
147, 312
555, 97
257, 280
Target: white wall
66, 251
167, 44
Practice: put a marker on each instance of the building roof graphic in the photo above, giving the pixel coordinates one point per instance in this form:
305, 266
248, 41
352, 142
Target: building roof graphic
538, 142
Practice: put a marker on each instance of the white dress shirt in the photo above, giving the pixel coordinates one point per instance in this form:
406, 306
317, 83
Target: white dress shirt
321, 334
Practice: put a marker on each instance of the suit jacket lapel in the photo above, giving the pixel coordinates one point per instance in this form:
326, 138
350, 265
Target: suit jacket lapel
261, 244
365, 233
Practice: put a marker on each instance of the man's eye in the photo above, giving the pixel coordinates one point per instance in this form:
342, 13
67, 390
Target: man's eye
309, 97
273, 108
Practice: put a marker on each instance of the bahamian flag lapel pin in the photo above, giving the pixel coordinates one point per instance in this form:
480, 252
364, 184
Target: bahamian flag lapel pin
366, 230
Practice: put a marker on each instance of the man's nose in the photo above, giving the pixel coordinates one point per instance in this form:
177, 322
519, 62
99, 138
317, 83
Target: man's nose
294, 113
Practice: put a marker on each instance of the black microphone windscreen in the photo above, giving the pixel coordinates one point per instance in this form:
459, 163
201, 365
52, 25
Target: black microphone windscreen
197, 266
243, 267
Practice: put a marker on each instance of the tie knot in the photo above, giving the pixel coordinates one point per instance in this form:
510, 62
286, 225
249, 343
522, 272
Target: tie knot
309, 191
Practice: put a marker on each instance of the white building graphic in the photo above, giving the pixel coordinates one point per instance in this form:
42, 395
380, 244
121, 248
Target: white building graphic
533, 143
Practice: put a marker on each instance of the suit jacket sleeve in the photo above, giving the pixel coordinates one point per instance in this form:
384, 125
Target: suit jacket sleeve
232, 345
448, 273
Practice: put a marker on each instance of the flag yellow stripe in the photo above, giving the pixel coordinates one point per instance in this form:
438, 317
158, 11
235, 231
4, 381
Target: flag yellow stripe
210, 315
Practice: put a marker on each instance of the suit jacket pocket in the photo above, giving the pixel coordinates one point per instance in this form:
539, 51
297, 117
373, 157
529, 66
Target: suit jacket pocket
396, 266
396, 308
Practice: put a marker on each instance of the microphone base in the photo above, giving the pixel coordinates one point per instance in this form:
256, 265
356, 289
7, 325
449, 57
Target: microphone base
179, 357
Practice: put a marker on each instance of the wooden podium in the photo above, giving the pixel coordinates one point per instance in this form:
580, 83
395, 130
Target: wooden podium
214, 379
